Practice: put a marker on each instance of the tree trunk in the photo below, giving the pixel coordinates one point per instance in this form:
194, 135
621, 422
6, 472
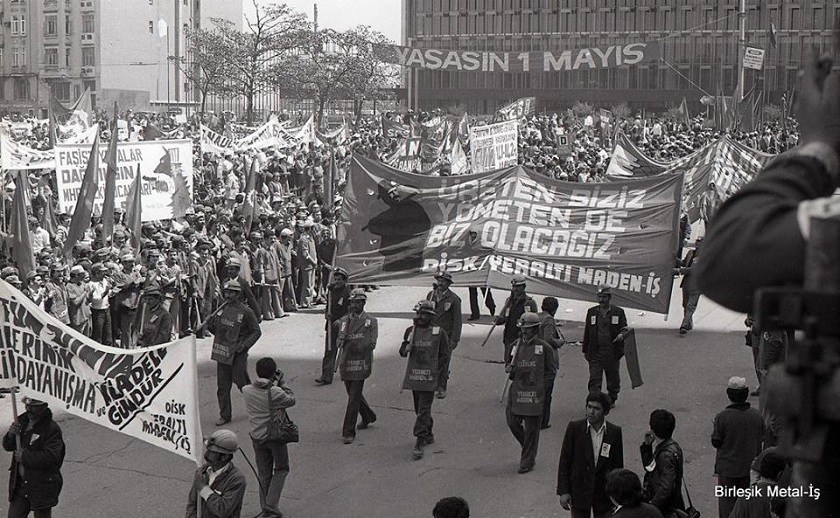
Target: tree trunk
358, 104
203, 102
320, 114
249, 107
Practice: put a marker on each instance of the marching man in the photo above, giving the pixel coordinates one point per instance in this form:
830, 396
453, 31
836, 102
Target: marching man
357, 334
527, 371
425, 346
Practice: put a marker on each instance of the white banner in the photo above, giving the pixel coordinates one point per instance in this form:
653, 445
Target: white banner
16, 156
494, 146
165, 165
150, 393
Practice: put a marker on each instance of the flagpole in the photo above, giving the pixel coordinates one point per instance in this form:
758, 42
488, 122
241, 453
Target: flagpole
742, 40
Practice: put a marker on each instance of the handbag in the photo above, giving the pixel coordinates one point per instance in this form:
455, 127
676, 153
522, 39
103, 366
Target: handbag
690, 511
280, 426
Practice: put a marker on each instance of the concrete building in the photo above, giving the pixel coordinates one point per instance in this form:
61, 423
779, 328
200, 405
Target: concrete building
699, 45
123, 50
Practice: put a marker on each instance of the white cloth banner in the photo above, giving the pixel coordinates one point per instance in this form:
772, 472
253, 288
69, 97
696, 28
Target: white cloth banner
166, 168
494, 146
149, 393
17, 156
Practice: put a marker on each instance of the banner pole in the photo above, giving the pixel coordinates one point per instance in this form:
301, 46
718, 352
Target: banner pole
18, 446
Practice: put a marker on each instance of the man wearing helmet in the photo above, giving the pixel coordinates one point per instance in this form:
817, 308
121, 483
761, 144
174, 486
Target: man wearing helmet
357, 334
517, 304
603, 343
235, 329
527, 371
153, 323
218, 484
338, 305
425, 346
447, 307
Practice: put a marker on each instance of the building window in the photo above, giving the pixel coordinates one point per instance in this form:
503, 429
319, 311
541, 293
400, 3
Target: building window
15, 25
90, 85
67, 57
21, 89
19, 57
61, 90
51, 25
51, 57
88, 57
23, 25
68, 26
88, 23
1, 66
151, 27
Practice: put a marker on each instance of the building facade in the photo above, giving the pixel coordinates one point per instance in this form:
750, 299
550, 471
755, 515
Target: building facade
129, 51
698, 43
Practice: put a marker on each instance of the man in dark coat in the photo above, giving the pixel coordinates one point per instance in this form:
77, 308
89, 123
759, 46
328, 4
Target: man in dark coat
218, 484
591, 448
550, 334
517, 304
690, 290
153, 324
662, 459
338, 305
737, 436
35, 476
603, 343
448, 317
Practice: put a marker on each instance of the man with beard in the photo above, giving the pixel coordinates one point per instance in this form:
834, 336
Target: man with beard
219, 484
338, 305
447, 307
425, 346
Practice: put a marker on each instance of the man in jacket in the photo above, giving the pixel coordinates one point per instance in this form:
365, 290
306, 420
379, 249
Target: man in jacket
338, 305
35, 475
268, 266
153, 325
690, 290
57, 293
592, 447
550, 334
78, 300
603, 343
235, 329
527, 371
357, 334
448, 317
265, 397
285, 251
233, 268
127, 286
737, 436
515, 306
424, 345
307, 257
218, 484
662, 459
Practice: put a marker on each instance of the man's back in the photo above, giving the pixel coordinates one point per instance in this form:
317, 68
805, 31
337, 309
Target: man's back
737, 435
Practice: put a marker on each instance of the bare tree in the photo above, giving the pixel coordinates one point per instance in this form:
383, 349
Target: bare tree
206, 69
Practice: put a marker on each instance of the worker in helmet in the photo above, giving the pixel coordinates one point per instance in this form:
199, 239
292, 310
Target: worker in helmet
218, 484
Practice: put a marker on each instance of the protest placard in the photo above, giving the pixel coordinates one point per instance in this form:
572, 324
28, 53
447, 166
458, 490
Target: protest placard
494, 146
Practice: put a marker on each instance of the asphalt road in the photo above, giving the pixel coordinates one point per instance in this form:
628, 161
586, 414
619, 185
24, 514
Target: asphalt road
474, 456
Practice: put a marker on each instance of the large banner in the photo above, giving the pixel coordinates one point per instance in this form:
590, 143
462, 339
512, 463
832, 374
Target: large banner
568, 238
150, 394
524, 107
14, 156
494, 146
165, 168
712, 173
537, 61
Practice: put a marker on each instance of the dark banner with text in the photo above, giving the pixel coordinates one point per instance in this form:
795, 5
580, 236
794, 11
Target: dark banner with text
567, 238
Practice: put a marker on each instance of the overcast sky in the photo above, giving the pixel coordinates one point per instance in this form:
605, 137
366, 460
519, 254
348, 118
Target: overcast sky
382, 15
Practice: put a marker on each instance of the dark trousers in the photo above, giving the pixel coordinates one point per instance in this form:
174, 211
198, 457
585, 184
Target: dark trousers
272, 460
226, 376
443, 367
330, 349
726, 504
356, 404
423, 409
526, 430
488, 301
19, 508
546, 413
101, 326
757, 359
689, 307
604, 364
288, 294
126, 320
586, 513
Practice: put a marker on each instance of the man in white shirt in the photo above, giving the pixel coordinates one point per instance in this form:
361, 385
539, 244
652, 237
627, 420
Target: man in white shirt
38, 237
100, 307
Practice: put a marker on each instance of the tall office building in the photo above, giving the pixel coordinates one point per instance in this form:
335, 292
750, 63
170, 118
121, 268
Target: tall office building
130, 51
698, 39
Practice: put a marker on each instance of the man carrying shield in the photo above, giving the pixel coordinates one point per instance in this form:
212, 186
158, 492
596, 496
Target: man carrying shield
425, 346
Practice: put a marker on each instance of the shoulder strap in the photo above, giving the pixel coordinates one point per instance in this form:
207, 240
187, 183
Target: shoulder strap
270, 406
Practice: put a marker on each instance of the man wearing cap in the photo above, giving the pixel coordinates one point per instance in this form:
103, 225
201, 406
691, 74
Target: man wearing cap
100, 288
284, 249
207, 286
517, 304
737, 437
35, 475
357, 335
57, 293
124, 303
425, 345
218, 484
603, 343
153, 325
232, 272
527, 370
235, 330
268, 266
307, 257
338, 305
78, 300
448, 316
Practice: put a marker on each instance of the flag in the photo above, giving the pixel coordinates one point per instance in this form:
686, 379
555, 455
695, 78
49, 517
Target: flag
249, 207
134, 209
60, 115
19, 227
84, 203
519, 108
684, 112
458, 160
110, 183
329, 182
772, 34
48, 220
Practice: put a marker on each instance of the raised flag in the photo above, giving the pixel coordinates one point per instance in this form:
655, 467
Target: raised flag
458, 159
684, 112
519, 108
772, 34
80, 221
19, 227
110, 182
134, 209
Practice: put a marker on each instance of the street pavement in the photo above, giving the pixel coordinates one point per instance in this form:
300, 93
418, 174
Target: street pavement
474, 456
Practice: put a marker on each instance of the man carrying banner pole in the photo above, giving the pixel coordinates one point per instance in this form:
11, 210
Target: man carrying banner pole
517, 304
447, 306
218, 489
